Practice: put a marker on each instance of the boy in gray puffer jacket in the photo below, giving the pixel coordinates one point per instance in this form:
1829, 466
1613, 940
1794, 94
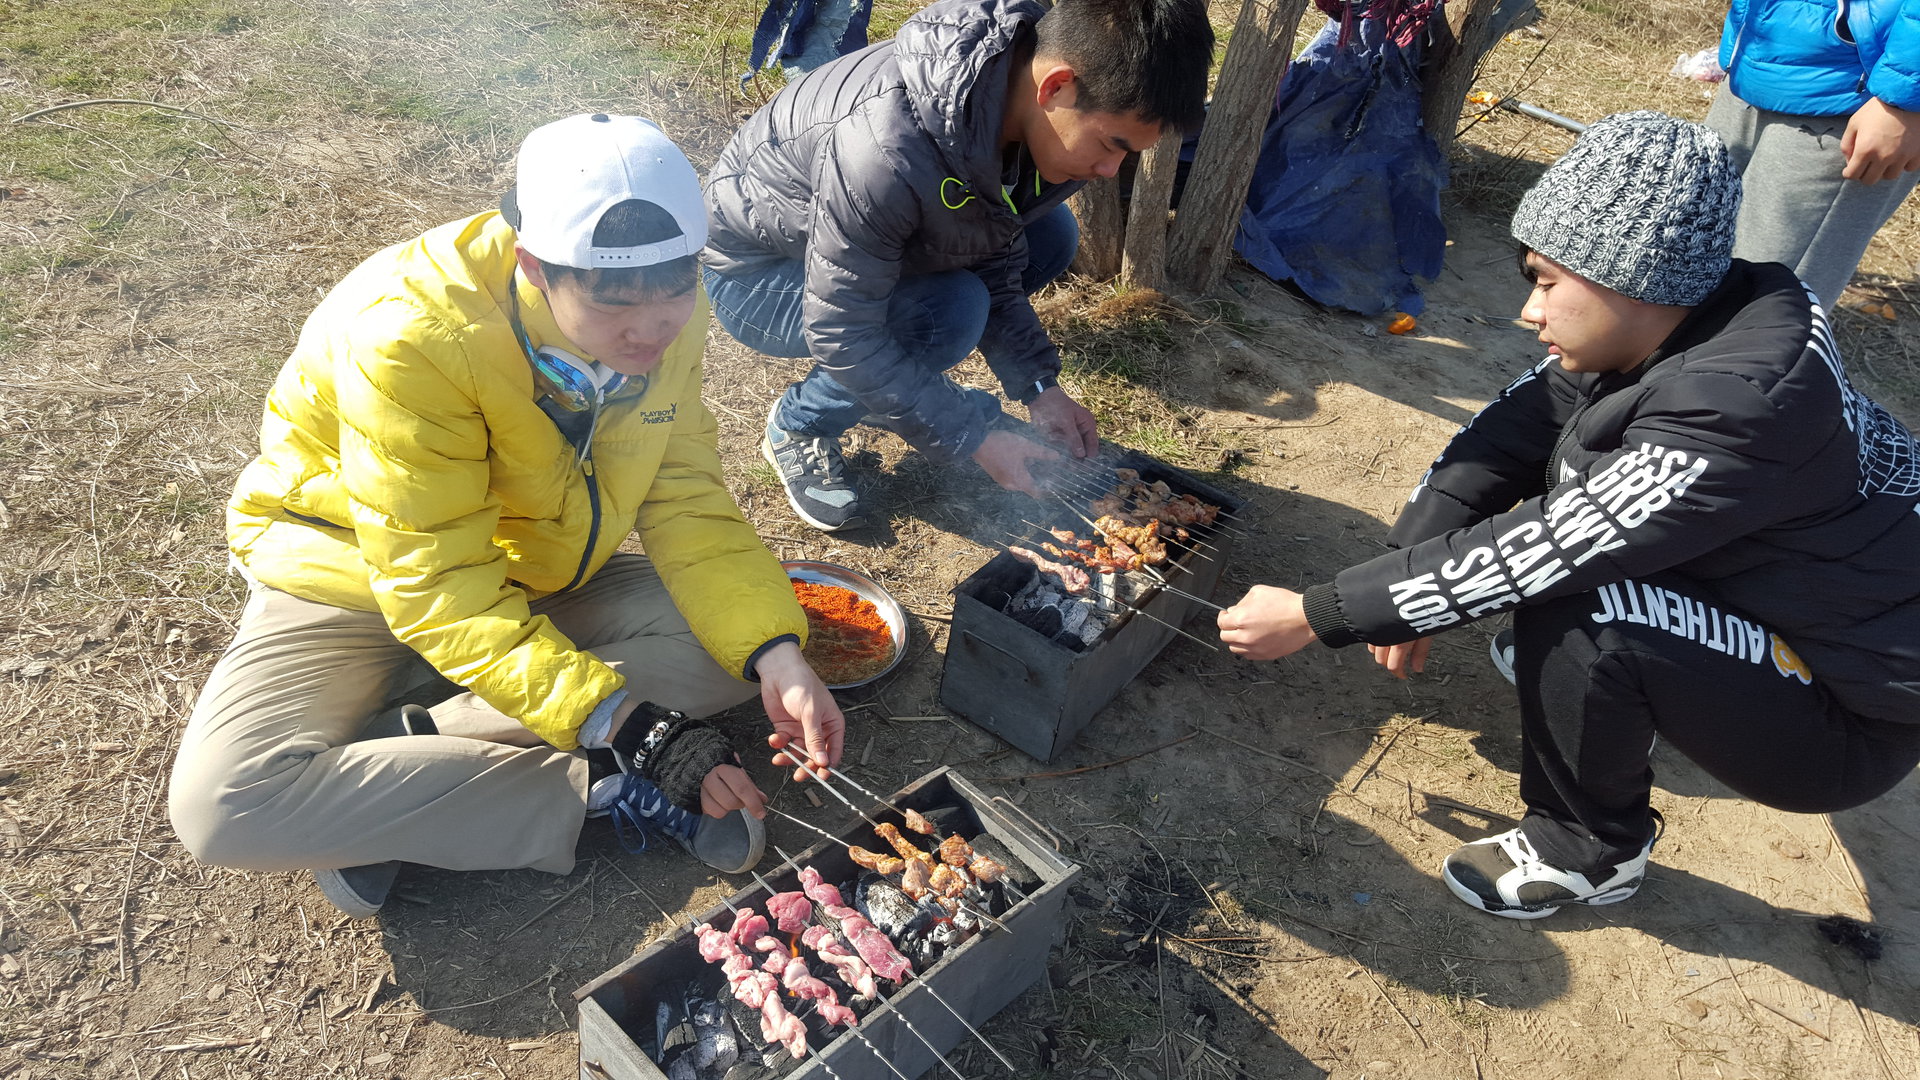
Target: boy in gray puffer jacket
893, 209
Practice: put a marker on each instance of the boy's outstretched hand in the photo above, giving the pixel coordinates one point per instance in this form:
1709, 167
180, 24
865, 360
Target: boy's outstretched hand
1265, 624
808, 727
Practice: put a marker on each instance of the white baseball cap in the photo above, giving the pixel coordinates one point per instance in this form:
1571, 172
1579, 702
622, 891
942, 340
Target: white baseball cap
572, 171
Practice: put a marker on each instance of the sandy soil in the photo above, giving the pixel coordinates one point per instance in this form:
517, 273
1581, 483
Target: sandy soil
1259, 900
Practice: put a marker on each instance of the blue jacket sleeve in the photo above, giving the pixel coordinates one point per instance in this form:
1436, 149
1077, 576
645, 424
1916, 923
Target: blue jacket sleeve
1895, 77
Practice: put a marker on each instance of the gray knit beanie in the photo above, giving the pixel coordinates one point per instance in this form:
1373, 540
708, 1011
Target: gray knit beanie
1643, 204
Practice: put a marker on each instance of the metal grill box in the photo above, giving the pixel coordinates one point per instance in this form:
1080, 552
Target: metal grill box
978, 978
1032, 690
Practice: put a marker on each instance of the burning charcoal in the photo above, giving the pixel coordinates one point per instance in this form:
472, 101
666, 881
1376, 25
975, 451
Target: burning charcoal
747, 1019
1045, 621
886, 907
673, 1028
966, 922
947, 934
923, 951
717, 1047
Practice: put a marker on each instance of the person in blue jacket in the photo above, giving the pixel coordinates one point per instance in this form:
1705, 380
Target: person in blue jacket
1821, 112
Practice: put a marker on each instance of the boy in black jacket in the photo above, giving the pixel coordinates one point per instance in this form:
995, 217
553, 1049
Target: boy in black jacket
1704, 532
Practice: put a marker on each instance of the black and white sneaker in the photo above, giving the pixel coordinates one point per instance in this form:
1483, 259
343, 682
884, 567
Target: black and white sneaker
1501, 650
814, 475
1503, 875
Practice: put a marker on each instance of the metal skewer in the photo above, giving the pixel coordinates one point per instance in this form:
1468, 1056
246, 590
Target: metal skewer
900, 1015
1098, 483
923, 983
809, 825
1091, 597
831, 790
844, 844
1154, 572
839, 774
851, 1029
974, 1031
1165, 587
1150, 615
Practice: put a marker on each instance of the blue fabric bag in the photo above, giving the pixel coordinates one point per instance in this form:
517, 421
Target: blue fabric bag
1345, 199
800, 35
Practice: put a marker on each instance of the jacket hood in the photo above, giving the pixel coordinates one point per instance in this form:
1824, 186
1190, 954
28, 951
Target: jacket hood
954, 59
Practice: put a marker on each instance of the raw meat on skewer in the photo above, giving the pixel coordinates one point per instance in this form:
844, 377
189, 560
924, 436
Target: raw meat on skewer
791, 911
866, 938
754, 989
853, 970
747, 925
801, 983
777, 1025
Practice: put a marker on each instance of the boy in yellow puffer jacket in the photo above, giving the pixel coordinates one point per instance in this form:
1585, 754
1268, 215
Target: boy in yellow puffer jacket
471, 424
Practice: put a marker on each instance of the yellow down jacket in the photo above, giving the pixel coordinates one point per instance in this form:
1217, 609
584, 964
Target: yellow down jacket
406, 467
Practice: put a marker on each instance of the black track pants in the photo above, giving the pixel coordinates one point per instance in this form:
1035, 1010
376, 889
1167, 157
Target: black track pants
1602, 673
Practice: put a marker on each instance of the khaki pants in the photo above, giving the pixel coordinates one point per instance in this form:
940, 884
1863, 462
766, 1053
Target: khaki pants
283, 767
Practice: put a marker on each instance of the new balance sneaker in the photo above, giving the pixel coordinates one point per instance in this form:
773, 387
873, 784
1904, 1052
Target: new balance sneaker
814, 475
358, 891
1503, 875
1501, 650
640, 811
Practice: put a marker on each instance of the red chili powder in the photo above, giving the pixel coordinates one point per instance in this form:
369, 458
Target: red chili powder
847, 640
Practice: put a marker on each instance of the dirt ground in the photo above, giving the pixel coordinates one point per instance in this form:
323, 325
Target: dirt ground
1260, 894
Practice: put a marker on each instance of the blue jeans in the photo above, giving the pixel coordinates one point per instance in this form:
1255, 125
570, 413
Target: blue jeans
937, 319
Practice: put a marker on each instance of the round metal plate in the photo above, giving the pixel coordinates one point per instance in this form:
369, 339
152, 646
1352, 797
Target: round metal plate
895, 616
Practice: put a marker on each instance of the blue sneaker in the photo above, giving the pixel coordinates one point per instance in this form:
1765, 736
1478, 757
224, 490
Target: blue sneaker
814, 475
640, 811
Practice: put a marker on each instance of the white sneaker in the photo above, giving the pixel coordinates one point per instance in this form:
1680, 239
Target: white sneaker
1503, 875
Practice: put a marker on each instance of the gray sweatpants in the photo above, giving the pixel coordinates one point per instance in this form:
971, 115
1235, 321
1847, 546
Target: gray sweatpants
1797, 209
283, 767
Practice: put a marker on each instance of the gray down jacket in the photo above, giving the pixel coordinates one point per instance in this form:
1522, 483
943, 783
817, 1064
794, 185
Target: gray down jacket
887, 163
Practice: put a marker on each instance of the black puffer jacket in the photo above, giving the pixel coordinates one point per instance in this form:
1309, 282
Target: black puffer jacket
1738, 455
884, 163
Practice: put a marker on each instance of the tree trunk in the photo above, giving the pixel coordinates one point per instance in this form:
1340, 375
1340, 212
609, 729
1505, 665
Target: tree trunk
1257, 57
1145, 254
1460, 40
1097, 208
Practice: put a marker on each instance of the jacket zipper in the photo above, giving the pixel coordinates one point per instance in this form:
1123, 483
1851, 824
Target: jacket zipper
1566, 431
593, 498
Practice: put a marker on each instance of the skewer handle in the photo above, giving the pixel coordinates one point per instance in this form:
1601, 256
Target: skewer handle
1011, 1067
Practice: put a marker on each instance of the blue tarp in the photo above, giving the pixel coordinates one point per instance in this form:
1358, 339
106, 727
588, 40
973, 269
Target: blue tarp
1345, 200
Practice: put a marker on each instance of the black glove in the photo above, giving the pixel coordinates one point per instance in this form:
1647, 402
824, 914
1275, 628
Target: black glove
673, 751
